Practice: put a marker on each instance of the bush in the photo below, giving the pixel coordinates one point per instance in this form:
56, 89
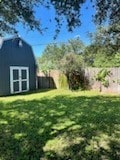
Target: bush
77, 80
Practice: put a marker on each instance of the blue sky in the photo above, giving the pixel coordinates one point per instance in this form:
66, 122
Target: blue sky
39, 41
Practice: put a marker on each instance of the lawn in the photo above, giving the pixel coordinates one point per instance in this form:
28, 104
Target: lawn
60, 125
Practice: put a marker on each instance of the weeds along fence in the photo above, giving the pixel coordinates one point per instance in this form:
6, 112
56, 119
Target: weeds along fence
55, 79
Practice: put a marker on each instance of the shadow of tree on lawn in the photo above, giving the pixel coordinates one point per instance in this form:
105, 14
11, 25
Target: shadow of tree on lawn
60, 128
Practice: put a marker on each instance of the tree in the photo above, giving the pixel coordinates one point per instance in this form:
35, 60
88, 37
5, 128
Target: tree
72, 66
108, 37
107, 10
15, 11
100, 56
75, 46
104, 47
51, 57
54, 53
68, 58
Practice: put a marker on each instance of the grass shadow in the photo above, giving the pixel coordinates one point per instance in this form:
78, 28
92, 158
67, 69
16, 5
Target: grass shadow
60, 128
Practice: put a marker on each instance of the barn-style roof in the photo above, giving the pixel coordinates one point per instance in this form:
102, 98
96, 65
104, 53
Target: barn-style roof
7, 42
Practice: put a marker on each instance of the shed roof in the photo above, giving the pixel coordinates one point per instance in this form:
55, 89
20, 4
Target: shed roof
7, 41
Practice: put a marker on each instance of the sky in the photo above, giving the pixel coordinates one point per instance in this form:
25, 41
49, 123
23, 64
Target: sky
39, 42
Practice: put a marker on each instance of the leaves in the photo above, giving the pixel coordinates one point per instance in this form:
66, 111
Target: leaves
101, 76
62, 56
23, 11
17, 11
104, 48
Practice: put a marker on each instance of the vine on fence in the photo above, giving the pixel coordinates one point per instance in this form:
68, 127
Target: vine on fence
101, 77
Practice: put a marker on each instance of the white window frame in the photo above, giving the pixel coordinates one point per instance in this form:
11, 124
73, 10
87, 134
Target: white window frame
20, 80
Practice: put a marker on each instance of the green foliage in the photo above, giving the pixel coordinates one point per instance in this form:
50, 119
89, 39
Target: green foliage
67, 58
63, 82
102, 60
23, 11
54, 56
101, 77
14, 12
104, 51
108, 38
107, 11
59, 125
51, 57
71, 65
70, 62
117, 59
75, 46
76, 79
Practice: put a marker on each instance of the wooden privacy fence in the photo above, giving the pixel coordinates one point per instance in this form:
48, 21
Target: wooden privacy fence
113, 80
51, 80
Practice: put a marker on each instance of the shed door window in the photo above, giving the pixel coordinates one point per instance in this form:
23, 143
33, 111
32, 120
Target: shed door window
24, 74
15, 74
19, 79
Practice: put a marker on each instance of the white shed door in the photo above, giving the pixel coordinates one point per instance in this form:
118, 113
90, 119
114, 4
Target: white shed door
19, 79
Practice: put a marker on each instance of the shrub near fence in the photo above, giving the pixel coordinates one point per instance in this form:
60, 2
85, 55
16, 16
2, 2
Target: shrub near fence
52, 80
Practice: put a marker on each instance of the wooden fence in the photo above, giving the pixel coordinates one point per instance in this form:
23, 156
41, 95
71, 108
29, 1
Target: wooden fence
113, 80
52, 80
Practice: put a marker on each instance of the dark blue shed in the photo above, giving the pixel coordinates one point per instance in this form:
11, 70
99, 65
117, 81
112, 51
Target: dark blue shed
17, 66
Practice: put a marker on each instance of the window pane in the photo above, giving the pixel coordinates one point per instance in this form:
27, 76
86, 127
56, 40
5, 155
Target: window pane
16, 86
24, 74
15, 74
24, 85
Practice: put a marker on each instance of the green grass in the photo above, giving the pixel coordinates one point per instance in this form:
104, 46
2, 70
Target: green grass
60, 125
